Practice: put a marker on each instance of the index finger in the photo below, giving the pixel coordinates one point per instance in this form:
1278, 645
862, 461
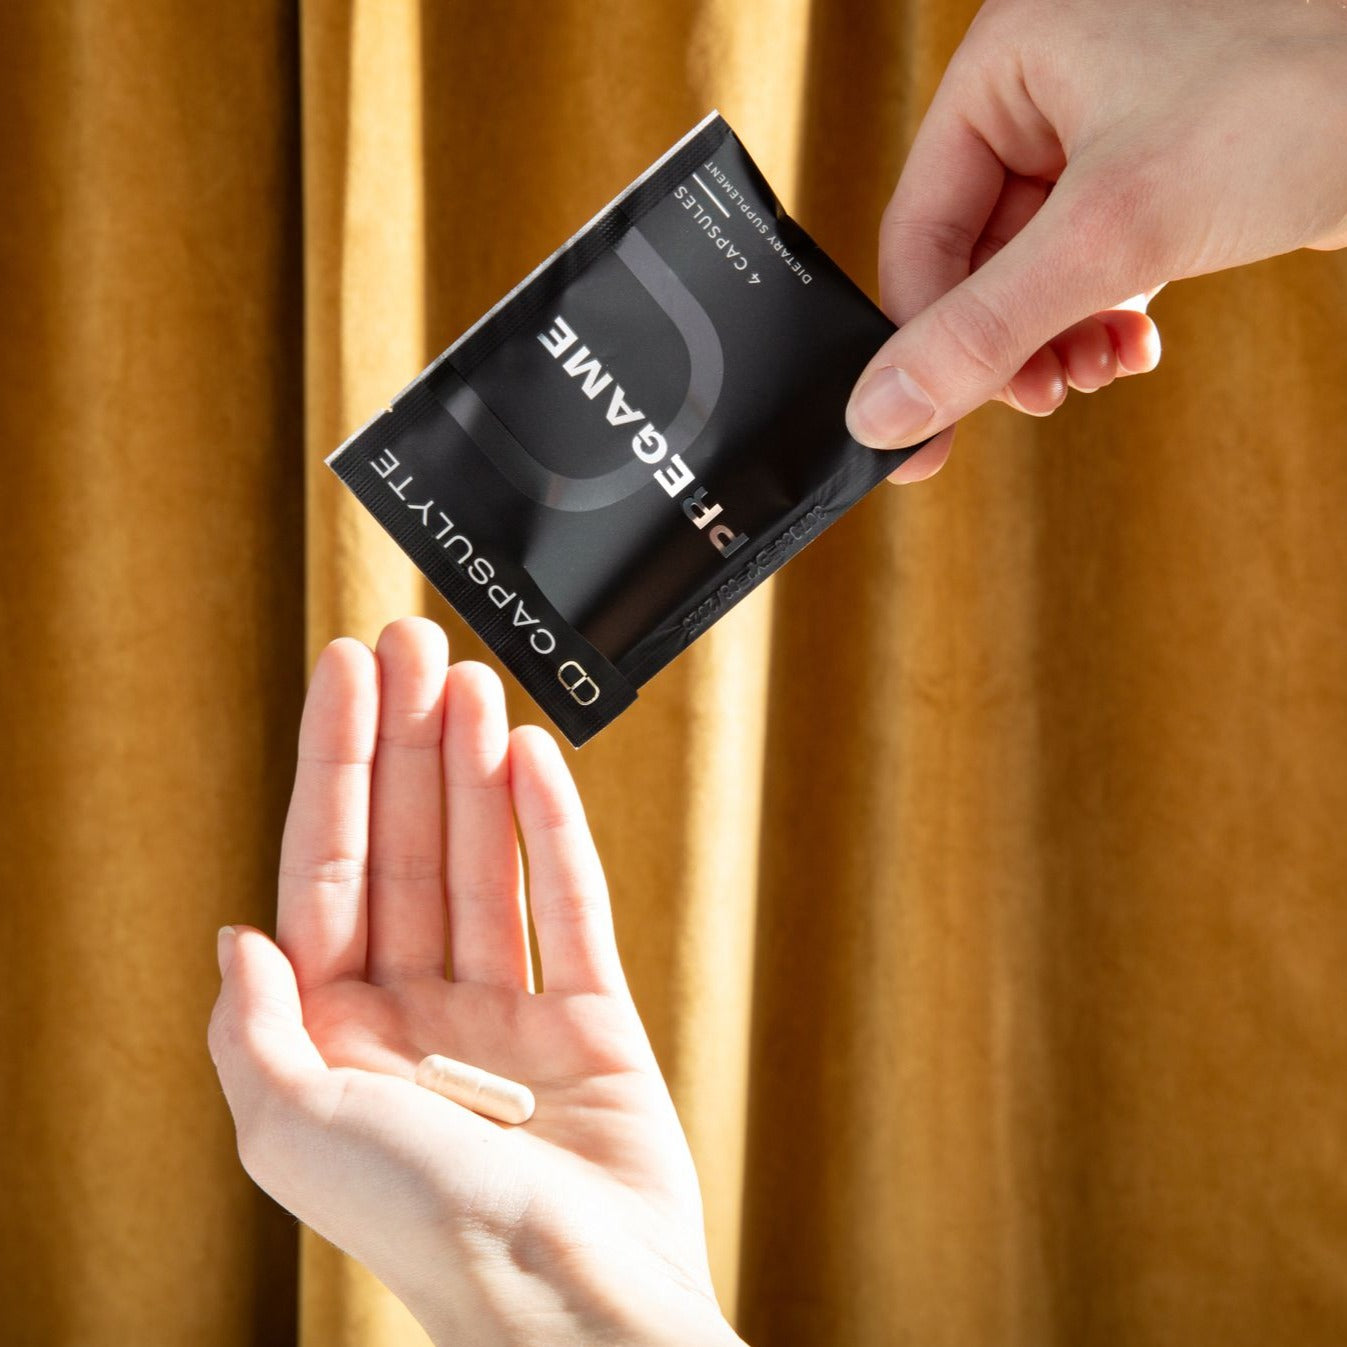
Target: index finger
982, 131
945, 195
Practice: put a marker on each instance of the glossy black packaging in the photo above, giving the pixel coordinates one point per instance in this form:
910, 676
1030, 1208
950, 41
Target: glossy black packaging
635, 437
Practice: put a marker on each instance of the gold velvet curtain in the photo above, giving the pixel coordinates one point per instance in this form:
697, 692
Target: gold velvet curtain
982, 881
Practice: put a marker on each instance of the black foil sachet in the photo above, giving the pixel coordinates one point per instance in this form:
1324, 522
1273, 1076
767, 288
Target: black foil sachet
635, 437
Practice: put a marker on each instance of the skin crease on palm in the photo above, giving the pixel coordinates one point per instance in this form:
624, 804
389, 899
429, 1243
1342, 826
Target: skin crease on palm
583, 1224
1078, 156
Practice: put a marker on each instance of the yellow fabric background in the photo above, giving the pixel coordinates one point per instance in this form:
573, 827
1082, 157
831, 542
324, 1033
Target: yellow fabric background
981, 880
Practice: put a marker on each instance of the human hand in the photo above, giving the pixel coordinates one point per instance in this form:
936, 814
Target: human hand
583, 1225
1078, 155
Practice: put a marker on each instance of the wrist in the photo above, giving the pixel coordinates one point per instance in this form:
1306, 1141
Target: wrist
693, 1325
580, 1302
696, 1324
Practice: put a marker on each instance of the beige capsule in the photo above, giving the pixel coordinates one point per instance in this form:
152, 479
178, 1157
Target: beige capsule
492, 1096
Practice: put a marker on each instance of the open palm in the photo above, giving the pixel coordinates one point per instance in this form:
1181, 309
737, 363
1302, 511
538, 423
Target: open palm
400, 843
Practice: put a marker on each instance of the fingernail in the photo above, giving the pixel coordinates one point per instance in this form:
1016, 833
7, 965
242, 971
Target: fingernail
888, 407
224, 947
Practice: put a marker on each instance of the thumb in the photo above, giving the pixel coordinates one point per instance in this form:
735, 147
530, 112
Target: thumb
1072, 259
257, 1038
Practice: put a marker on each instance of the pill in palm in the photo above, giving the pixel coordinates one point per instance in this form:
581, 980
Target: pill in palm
493, 1096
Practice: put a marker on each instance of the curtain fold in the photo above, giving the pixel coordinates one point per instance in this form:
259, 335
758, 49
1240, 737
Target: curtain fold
150, 419
981, 879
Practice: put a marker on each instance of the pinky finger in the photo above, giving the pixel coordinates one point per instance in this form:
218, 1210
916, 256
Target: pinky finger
1135, 338
567, 892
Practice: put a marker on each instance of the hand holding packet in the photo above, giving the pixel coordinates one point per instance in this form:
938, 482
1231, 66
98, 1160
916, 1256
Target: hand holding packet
635, 437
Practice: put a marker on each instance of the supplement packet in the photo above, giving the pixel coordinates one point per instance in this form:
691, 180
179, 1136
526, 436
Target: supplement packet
635, 437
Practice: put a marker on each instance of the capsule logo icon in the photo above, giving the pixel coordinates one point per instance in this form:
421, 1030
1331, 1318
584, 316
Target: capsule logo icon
578, 683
